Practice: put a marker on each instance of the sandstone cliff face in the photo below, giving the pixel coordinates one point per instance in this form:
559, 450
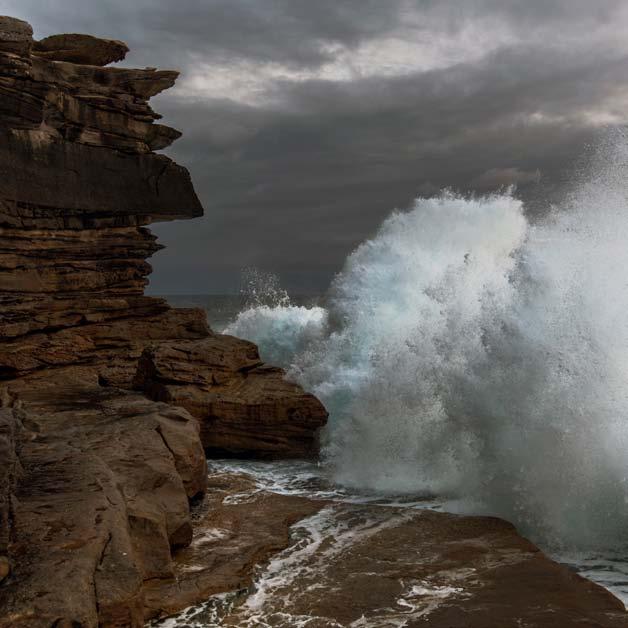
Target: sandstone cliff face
95, 477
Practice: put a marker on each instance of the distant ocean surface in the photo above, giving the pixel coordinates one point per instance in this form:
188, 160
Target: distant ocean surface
222, 309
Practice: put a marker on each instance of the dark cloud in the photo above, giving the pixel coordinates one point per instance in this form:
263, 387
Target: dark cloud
298, 169
295, 32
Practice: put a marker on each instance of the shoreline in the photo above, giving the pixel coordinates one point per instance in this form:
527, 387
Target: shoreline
448, 565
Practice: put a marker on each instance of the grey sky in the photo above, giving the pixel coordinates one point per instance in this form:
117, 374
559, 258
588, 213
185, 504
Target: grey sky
307, 121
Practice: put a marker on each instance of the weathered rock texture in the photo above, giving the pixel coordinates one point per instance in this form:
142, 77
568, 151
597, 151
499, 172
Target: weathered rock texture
351, 564
245, 406
95, 478
77, 48
103, 496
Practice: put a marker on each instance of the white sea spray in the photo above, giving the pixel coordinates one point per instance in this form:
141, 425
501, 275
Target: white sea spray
465, 352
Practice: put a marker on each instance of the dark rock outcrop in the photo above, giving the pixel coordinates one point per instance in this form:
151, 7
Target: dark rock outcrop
96, 479
76, 48
244, 406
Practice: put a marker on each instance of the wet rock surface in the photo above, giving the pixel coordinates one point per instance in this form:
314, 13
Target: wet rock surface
235, 529
351, 564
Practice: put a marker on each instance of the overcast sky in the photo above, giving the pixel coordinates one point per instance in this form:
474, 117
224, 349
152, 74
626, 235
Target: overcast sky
306, 122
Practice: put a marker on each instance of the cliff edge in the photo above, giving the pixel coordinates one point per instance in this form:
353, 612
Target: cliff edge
108, 397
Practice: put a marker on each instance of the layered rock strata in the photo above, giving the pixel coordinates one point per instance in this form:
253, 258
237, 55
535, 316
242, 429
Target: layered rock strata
244, 406
96, 479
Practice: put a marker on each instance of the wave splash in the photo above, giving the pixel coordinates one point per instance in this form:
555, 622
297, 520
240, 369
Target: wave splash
467, 353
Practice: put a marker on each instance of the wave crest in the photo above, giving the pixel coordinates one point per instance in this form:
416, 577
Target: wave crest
467, 353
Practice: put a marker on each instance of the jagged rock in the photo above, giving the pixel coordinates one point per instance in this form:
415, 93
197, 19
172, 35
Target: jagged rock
16, 36
85, 105
245, 407
85, 49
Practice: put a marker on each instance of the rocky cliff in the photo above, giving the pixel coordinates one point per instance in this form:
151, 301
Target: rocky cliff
108, 397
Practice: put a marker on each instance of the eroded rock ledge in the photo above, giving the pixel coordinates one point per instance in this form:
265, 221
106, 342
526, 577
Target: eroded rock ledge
96, 478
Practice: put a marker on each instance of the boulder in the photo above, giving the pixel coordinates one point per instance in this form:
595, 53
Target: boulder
83, 49
16, 36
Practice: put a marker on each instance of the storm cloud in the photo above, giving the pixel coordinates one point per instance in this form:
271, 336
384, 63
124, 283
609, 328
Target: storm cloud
306, 122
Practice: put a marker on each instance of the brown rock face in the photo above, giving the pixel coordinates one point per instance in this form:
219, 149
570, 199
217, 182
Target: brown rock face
78, 180
76, 48
102, 500
16, 36
95, 478
245, 406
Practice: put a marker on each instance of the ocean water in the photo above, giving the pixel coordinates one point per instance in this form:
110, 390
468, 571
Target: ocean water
470, 353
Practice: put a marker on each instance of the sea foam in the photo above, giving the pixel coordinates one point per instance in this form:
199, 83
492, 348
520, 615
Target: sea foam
465, 352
